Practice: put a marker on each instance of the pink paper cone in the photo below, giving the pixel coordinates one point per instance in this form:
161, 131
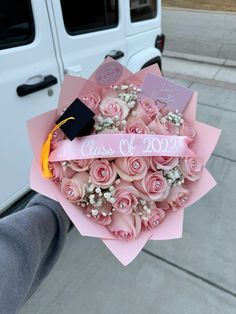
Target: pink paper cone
76, 87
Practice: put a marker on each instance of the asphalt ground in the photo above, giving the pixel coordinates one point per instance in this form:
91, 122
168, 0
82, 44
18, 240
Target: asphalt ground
201, 33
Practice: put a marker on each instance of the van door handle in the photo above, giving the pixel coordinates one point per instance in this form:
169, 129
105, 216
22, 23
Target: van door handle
27, 89
116, 54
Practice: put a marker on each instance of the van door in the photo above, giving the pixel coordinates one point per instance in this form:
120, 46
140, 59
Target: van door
143, 29
142, 16
28, 86
87, 32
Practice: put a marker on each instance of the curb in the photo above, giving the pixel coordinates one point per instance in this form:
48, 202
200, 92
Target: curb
200, 58
198, 10
204, 81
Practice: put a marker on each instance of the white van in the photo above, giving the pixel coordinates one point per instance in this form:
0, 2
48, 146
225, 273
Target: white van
40, 42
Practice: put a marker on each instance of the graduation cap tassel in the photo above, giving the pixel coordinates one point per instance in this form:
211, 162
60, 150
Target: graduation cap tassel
46, 149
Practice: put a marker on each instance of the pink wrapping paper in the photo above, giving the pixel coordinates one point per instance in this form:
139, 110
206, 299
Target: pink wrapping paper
171, 228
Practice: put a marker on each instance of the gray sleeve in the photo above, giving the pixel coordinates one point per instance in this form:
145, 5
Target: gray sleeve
30, 243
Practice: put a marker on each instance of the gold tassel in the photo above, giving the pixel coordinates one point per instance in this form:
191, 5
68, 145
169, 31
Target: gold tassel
46, 149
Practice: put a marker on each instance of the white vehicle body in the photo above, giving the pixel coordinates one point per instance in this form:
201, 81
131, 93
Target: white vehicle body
32, 68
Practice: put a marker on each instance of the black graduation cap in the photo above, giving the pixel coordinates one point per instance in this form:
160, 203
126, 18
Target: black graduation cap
83, 120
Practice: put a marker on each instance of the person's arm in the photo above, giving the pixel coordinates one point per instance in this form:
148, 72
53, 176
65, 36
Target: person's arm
30, 243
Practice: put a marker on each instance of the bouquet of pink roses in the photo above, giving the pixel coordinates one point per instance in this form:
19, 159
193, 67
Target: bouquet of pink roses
129, 180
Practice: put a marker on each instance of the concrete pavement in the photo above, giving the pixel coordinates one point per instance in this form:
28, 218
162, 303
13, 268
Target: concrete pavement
88, 280
211, 74
202, 33
193, 275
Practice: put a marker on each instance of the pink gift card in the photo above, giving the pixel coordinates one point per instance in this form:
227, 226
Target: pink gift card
165, 93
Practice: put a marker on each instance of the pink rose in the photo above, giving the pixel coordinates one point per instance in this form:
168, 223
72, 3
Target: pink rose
191, 168
100, 215
186, 129
67, 171
80, 164
102, 173
57, 137
153, 186
131, 168
56, 170
177, 198
146, 110
111, 107
125, 197
163, 162
163, 128
125, 227
74, 189
136, 127
92, 100
61, 170
156, 217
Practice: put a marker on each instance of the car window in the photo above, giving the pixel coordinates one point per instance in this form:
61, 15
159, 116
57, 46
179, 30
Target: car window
84, 16
141, 10
16, 23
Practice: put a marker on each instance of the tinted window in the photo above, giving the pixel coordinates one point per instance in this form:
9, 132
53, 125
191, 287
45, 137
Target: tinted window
87, 16
16, 23
143, 10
